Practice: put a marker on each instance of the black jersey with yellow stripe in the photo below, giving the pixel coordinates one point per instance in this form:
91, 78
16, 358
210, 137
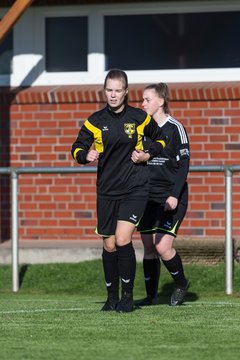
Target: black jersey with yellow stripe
115, 136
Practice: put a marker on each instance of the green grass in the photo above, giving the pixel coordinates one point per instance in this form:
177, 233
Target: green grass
55, 315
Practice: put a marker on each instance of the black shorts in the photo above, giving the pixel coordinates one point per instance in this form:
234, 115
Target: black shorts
109, 212
156, 220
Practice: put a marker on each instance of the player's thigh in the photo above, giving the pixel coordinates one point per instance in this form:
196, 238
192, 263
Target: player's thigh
130, 212
107, 215
131, 209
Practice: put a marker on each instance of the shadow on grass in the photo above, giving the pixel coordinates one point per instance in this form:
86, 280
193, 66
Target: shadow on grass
165, 294
22, 272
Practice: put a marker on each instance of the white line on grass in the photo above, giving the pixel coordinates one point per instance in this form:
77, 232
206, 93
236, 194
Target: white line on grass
187, 304
37, 300
211, 303
40, 310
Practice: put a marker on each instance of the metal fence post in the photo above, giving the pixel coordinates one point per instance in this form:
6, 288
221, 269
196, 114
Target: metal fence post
228, 232
15, 251
228, 171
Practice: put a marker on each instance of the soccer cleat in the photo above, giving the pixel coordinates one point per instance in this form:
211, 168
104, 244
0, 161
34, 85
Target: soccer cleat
126, 303
178, 295
148, 301
110, 304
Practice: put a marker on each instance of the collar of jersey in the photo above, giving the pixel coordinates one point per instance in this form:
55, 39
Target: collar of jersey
117, 115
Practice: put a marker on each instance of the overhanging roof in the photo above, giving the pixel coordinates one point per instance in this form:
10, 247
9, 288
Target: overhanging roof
8, 3
12, 15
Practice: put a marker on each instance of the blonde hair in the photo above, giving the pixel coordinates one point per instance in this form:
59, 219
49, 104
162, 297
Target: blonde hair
163, 92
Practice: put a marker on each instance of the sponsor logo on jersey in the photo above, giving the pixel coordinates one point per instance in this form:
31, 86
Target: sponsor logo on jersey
184, 152
168, 225
158, 161
129, 129
133, 217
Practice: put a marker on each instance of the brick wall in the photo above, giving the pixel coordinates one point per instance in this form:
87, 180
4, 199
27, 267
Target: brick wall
39, 125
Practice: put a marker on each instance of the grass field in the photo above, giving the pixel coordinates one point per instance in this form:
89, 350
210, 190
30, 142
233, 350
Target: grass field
55, 315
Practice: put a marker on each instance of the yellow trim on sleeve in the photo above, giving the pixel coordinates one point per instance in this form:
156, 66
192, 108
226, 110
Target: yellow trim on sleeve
140, 132
76, 152
97, 133
162, 142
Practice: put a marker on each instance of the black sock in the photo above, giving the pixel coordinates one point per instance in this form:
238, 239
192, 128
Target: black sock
174, 266
127, 266
110, 267
151, 269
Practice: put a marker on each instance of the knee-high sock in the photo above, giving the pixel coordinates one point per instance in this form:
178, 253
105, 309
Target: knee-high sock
175, 268
110, 267
151, 269
127, 266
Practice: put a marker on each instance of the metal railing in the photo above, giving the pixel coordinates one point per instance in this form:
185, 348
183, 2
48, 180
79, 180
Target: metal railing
228, 170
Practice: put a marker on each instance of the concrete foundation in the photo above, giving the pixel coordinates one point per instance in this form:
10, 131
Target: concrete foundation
53, 251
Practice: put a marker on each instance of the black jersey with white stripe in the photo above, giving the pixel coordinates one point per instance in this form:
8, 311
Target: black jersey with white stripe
168, 172
115, 137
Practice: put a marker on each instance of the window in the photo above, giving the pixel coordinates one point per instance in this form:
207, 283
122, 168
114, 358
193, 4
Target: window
6, 54
173, 41
66, 44
169, 41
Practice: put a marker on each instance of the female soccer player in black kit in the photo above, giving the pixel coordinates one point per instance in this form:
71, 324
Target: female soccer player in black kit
168, 199
117, 131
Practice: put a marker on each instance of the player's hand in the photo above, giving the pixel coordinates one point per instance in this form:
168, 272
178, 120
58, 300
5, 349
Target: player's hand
92, 156
171, 203
139, 156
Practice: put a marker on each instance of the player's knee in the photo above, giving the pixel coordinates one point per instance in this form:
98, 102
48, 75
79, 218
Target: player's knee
109, 244
121, 240
166, 252
109, 247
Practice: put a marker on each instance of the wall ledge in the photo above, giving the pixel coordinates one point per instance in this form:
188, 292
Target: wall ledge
67, 94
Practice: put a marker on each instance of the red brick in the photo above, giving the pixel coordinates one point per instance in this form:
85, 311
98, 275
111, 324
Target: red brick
214, 232
49, 223
63, 115
220, 104
199, 104
232, 129
192, 113
29, 124
218, 138
232, 112
214, 113
212, 117
47, 140
199, 207
43, 115
214, 147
